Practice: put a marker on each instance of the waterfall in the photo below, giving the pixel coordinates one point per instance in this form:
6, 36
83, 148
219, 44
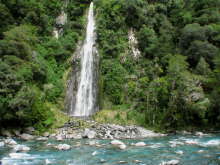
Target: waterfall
85, 101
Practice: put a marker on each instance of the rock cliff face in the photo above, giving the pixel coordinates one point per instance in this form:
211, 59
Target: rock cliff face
133, 44
61, 20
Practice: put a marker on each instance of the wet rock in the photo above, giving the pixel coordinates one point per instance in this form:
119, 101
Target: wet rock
137, 161
92, 143
102, 160
116, 142
200, 134
191, 142
211, 143
46, 134
119, 144
171, 162
122, 147
16, 132
77, 136
89, 134
175, 143
122, 162
59, 138
53, 135
147, 133
42, 139
201, 151
184, 132
25, 136
21, 148
10, 142
30, 130
63, 147
179, 152
140, 144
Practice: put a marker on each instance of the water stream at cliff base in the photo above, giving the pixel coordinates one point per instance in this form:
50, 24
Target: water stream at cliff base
189, 150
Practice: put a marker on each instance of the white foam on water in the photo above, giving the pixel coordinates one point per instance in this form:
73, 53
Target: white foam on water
211, 143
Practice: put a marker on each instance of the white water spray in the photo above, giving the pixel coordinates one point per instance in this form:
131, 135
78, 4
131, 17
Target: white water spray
86, 94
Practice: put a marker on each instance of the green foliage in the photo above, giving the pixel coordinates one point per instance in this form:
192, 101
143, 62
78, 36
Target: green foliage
32, 62
171, 91
148, 41
113, 79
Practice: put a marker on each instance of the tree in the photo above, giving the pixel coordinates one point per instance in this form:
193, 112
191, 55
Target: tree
147, 41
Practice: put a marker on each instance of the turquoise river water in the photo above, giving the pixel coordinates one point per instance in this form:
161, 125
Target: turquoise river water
189, 150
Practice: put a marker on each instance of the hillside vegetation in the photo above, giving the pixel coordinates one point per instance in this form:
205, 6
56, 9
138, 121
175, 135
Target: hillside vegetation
33, 62
174, 84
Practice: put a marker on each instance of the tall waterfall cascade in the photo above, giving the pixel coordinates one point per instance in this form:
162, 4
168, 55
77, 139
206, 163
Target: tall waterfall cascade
83, 88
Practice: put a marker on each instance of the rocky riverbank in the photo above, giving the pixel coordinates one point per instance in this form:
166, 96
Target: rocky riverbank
89, 129
79, 129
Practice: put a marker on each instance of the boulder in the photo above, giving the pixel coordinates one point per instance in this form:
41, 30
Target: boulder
42, 138
122, 146
116, 142
143, 133
59, 138
46, 134
29, 130
92, 143
191, 142
63, 147
10, 142
122, 162
179, 152
102, 160
137, 161
89, 134
200, 134
21, 148
140, 144
26, 136
16, 132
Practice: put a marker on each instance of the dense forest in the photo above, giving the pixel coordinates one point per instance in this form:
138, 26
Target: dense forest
173, 84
